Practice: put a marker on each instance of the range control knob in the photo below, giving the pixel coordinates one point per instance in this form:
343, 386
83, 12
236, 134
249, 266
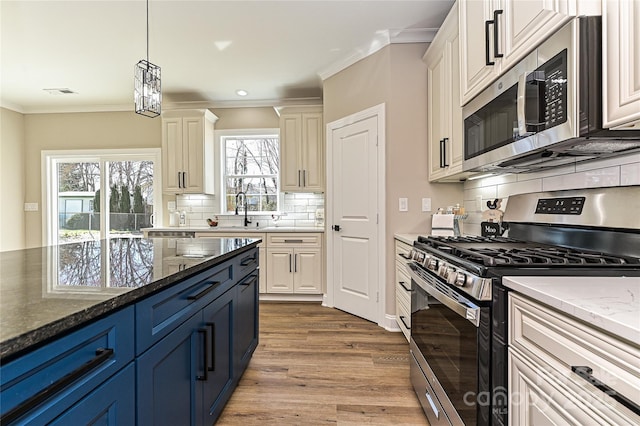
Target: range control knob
461, 279
432, 264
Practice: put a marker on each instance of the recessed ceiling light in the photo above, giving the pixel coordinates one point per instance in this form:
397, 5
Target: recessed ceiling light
241, 92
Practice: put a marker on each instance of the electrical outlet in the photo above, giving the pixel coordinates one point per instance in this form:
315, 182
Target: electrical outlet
403, 204
426, 204
30, 207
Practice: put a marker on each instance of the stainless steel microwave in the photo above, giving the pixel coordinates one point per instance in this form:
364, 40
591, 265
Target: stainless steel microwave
546, 111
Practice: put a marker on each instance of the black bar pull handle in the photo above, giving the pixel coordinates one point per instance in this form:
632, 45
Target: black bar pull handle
212, 327
250, 281
247, 260
405, 324
102, 354
290, 268
496, 48
585, 372
444, 152
402, 283
486, 42
205, 354
202, 293
406, 256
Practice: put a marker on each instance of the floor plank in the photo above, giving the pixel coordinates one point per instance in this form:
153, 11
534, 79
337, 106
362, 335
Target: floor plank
322, 366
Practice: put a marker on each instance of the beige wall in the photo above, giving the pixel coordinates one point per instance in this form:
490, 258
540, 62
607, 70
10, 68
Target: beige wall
396, 76
12, 182
101, 130
246, 118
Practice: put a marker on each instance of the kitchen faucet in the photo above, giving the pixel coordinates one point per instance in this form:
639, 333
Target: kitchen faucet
247, 221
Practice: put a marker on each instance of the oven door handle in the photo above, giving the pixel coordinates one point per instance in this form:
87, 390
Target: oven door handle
472, 314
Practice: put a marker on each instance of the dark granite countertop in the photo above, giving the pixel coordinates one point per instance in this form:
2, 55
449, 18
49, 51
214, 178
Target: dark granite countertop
48, 291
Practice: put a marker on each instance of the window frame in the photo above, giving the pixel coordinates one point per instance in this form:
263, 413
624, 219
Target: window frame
49, 161
220, 137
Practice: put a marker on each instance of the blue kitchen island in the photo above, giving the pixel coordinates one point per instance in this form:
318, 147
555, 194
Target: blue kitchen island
146, 331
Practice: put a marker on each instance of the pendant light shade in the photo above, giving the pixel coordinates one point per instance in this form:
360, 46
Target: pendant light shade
147, 91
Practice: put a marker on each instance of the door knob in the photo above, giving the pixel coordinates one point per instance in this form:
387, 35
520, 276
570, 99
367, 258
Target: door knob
336, 227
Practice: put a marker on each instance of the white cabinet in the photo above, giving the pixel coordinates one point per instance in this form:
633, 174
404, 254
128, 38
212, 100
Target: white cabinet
294, 263
621, 64
545, 348
301, 150
187, 151
444, 114
403, 288
496, 34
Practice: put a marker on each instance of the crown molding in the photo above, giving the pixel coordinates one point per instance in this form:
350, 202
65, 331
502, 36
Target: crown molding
382, 39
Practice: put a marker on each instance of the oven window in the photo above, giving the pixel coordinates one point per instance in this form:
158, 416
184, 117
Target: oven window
449, 344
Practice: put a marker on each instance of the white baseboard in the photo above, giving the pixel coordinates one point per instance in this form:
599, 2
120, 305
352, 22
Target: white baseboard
390, 323
272, 297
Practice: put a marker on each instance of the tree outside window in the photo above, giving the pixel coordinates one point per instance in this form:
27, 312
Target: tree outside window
251, 166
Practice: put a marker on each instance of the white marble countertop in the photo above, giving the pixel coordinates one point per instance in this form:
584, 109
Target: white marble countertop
237, 229
406, 238
609, 303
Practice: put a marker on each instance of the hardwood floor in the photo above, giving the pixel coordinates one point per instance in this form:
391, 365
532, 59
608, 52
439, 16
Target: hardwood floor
317, 365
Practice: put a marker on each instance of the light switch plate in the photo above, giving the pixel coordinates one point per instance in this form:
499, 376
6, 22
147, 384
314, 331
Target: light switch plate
30, 207
426, 204
403, 204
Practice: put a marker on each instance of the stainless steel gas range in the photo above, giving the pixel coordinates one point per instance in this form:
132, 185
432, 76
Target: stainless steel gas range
459, 305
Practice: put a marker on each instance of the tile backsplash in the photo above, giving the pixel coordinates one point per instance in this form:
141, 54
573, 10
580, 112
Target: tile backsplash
297, 210
617, 171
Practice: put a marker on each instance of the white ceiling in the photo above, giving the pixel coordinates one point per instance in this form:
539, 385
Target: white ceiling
279, 51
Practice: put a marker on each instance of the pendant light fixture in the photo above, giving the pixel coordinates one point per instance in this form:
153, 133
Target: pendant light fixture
147, 92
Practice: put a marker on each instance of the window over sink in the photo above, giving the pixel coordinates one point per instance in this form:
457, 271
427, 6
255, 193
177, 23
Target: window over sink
251, 164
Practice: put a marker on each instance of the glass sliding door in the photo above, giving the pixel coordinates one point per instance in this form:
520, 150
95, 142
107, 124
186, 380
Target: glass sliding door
78, 201
130, 197
104, 194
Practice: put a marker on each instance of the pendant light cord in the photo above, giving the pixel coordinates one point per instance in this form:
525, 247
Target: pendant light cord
147, 33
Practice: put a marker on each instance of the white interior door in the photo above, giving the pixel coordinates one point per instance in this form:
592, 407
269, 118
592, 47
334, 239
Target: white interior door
355, 210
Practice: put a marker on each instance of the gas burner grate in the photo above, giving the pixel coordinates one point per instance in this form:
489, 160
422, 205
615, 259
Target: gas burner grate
531, 256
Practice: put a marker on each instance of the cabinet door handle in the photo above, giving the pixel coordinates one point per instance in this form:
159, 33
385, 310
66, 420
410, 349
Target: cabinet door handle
290, 263
486, 42
496, 48
443, 153
293, 241
205, 354
406, 256
247, 261
179, 179
585, 373
202, 293
102, 355
184, 180
403, 322
304, 178
212, 327
299, 180
250, 281
295, 263
402, 283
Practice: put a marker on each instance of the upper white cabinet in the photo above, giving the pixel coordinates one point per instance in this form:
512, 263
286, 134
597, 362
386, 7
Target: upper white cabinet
187, 151
496, 34
444, 114
301, 150
621, 63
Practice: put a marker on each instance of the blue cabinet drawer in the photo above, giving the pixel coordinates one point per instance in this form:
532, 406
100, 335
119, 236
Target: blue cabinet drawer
159, 314
54, 377
246, 263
